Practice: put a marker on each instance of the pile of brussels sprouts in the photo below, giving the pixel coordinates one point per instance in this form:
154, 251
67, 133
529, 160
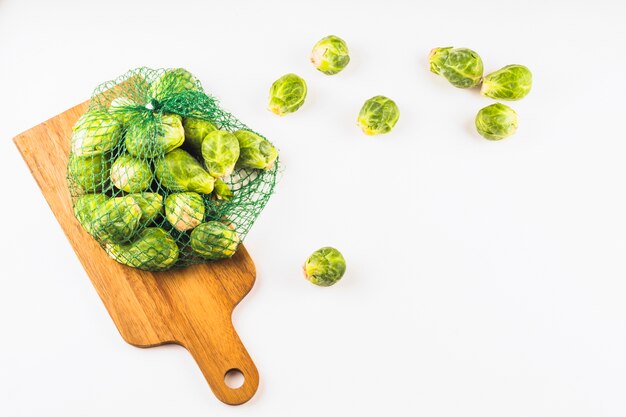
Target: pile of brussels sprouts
142, 180
463, 68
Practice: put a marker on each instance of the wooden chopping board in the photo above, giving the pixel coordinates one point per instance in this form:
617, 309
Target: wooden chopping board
191, 307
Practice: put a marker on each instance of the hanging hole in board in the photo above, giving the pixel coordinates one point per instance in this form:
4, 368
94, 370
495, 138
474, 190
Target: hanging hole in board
234, 378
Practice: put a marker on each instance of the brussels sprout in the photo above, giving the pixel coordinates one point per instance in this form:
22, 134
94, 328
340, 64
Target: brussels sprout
184, 210
90, 173
172, 82
512, 82
325, 267
151, 205
220, 151
195, 131
330, 55
122, 108
117, 220
223, 191
85, 207
95, 132
213, 240
255, 151
378, 115
179, 171
153, 250
496, 122
131, 174
287, 94
462, 67
152, 138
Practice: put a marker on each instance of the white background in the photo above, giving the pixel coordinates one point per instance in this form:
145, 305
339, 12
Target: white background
484, 278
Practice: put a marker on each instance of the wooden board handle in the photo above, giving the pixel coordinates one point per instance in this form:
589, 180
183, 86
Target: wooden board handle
202, 322
218, 353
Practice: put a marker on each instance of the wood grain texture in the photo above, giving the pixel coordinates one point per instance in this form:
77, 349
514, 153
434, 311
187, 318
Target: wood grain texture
191, 307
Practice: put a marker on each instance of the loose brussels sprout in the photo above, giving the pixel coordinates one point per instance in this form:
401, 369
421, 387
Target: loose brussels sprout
330, 55
462, 67
220, 151
117, 220
287, 94
94, 133
184, 211
149, 138
153, 250
85, 207
179, 171
90, 173
122, 108
151, 205
195, 131
325, 267
496, 122
512, 82
223, 191
172, 82
378, 115
255, 151
213, 240
131, 174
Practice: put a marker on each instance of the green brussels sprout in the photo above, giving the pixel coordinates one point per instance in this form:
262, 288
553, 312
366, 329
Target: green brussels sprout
131, 174
496, 122
512, 82
255, 151
154, 138
179, 171
85, 207
213, 240
151, 205
184, 211
220, 151
122, 108
222, 191
172, 82
330, 55
378, 115
95, 133
90, 173
117, 220
287, 94
462, 67
195, 131
153, 250
325, 267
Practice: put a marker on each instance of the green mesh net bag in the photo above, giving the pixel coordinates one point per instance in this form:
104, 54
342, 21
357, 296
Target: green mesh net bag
161, 176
